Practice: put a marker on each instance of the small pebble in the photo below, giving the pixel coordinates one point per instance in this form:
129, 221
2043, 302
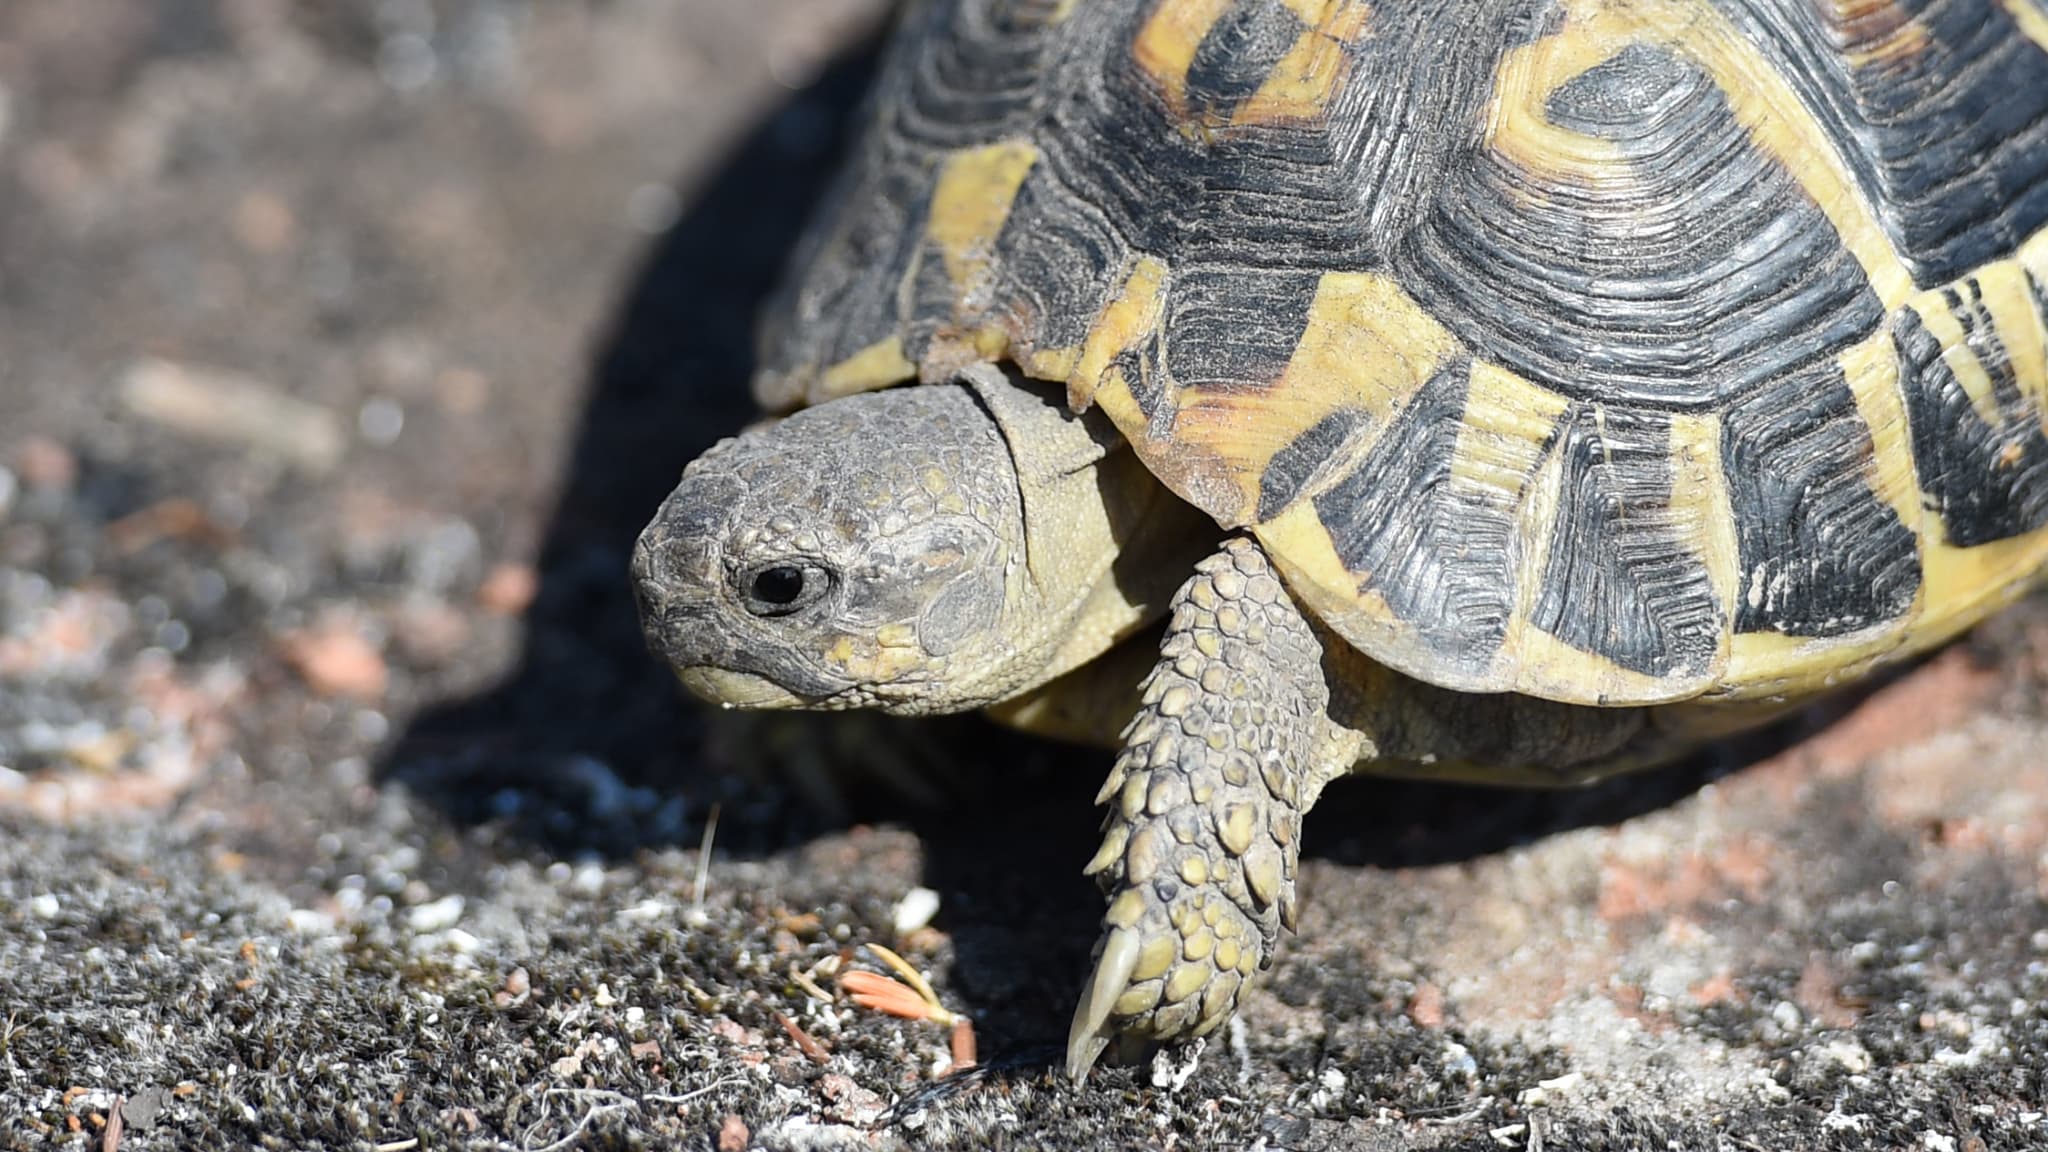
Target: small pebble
915, 910
436, 916
1849, 1054
309, 921
264, 223
336, 659
45, 906
380, 420
508, 589
45, 465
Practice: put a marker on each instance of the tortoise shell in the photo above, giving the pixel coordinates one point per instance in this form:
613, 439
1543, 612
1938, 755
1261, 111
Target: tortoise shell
1608, 351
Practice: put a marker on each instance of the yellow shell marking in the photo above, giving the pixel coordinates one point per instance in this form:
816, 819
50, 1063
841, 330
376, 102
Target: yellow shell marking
1548, 667
1902, 39
1307, 79
1947, 328
876, 366
1765, 665
2007, 299
1535, 522
1507, 425
1517, 127
1128, 319
1367, 345
1701, 508
1301, 548
1166, 45
1760, 98
1052, 363
2031, 18
1871, 369
970, 202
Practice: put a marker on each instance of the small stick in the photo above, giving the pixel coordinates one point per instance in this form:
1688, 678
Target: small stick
110, 1140
963, 1046
804, 1041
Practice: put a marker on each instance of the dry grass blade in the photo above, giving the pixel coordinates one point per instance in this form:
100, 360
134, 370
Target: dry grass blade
909, 973
876, 991
802, 979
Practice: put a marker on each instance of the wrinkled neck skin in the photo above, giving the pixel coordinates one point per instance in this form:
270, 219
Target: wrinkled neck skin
922, 549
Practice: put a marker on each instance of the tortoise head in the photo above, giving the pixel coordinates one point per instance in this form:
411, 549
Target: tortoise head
856, 554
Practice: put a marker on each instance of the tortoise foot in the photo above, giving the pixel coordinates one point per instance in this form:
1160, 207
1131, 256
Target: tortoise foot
1200, 846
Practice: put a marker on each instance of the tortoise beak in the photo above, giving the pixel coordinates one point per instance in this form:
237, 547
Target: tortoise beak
736, 689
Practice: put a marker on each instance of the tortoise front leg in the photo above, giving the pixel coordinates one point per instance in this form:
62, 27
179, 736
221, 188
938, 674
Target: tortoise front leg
1199, 850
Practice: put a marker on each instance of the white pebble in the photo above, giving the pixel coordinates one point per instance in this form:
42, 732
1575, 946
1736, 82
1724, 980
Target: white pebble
380, 420
1849, 1054
309, 921
915, 910
434, 916
647, 911
45, 906
1547, 1092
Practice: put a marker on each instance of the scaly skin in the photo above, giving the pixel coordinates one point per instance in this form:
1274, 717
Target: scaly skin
1201, 844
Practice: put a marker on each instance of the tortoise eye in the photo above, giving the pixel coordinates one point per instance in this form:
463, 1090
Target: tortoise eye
779, 585
781, 589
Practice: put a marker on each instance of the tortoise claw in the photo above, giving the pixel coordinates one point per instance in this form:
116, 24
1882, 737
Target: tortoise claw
1091, 1032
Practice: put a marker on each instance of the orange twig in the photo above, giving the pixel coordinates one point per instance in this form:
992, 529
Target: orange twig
963, 1046
805, 1043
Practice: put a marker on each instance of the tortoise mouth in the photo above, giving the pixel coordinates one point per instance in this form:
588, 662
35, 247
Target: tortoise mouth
732, 689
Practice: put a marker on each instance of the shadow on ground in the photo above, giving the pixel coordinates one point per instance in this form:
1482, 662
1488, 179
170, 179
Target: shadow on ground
1004, 821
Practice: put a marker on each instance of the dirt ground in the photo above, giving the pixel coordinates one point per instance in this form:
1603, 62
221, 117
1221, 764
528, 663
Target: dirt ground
344, 348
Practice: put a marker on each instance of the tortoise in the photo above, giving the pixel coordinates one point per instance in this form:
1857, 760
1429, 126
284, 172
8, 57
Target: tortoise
1521, 391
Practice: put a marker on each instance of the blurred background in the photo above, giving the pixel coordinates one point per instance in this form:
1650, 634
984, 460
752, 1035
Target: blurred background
344, 348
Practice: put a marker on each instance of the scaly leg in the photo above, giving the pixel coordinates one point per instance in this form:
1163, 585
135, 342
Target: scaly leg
1231, 746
